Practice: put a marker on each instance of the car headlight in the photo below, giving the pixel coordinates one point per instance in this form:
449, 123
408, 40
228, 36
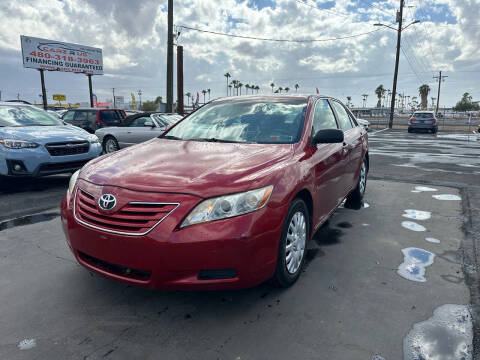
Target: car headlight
93, 139
227, 206
18, 144
73, 181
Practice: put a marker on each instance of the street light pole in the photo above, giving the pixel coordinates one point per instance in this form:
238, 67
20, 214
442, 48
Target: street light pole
170, 58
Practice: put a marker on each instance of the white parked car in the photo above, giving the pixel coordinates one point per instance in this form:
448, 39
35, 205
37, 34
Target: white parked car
364, 123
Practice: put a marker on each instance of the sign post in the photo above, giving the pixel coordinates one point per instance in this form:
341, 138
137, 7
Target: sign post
90, 89
44, 92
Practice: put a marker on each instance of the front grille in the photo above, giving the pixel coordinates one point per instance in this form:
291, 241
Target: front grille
68, 148
134, 218
115, 269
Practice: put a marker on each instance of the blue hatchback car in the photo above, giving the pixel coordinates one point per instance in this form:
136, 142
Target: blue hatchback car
33, 143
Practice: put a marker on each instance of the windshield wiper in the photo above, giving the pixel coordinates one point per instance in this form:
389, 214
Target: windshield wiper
217, 140
171, 137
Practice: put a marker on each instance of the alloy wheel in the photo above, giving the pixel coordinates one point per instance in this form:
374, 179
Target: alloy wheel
295, 244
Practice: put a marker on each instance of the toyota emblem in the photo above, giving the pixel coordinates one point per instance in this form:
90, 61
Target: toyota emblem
107, 202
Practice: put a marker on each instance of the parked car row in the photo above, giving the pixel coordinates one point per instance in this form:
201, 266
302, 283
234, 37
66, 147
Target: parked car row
34, 142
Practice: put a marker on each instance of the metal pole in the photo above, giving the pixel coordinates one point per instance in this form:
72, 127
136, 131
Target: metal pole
114, 103
44, 92
170, 58
90, 89
438, 96
180, 80
397, 58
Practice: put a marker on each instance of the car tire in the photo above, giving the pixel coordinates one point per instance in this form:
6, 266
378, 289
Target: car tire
110, 144
292, 244
356, 195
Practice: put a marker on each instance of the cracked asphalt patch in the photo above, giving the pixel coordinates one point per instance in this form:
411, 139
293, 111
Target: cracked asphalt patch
349, 303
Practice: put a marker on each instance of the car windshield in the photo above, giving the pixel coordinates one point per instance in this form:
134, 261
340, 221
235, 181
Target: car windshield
25, 116
423, 115
249, 121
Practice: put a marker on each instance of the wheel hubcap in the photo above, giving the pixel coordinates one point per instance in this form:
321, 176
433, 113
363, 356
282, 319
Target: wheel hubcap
295, 244
363, 178
111, 146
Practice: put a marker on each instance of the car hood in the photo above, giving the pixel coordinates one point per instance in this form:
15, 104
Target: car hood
44, 134
203, 169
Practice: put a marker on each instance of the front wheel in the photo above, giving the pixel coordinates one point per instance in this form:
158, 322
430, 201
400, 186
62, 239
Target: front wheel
110, 145
357, 195
292, 245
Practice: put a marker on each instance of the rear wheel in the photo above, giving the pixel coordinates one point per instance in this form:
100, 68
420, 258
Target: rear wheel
110, 144
357, 195
292, 245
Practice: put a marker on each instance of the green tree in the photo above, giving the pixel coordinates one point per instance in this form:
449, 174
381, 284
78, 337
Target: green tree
287, 89
208, 90
423, 91
149, 106
349, 98
229, 87
379, 91
466, 104
296, 87
240, 87
280, 89
247, 86
257, 88
272, 85
204, 92
227, 75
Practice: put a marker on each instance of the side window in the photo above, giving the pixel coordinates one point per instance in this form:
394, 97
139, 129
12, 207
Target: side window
109, 116
323, 117
139, 122
352, 119
343, 118
68, 116
81, 116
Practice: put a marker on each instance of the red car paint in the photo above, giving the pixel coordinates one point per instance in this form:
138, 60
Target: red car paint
183, 173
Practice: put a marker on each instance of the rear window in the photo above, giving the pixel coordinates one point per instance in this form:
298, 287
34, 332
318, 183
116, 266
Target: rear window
423, 115
109, 117
85, 115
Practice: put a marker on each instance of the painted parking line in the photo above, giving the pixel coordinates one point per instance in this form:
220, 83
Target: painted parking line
376, 132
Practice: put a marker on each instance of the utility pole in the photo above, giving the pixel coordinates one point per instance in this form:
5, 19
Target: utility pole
440, 79
180, 80
114, 103
170, 58
44, 92
397, 59
140, 98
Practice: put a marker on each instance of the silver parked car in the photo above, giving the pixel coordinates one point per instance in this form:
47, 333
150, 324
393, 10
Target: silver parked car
135, 129
364, 123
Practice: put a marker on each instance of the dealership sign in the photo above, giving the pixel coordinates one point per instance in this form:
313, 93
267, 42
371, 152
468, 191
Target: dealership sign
59, 56
59, 97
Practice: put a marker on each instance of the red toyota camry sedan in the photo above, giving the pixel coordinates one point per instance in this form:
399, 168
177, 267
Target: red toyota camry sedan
227, 198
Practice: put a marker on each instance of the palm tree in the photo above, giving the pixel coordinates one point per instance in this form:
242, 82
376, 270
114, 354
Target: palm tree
234, 83
247, 86
240, 87
379, 91
204, 92
349, 98
229, 87
296, 87
227, 75
208, 90
188, 98
280, 89
286, 89
423, 91
272, 85
257, 88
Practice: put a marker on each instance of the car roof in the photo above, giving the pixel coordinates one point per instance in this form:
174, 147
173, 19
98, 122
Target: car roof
94, 109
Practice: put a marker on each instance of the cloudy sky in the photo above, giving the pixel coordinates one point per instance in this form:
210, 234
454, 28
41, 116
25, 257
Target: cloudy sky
132, 35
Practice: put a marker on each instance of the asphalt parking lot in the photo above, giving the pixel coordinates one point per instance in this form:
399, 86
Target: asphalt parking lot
381, 281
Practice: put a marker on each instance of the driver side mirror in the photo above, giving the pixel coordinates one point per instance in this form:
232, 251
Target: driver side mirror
149, 124
328, 136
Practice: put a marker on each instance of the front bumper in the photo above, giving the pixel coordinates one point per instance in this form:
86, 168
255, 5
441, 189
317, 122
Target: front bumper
232, 253
39, 162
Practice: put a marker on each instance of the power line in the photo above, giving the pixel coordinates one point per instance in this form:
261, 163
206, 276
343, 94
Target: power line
326, 10
410, 64
276, 40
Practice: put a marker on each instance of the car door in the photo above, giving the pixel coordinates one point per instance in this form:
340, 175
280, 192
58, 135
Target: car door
352, 145
138, 132
329, 160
